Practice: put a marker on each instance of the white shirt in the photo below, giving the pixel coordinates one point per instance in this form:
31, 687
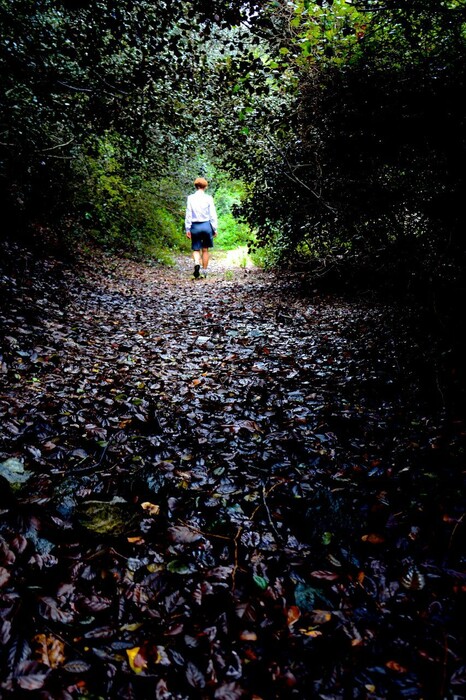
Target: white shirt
200, 207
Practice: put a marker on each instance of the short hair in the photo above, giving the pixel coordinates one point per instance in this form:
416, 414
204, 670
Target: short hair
200, 183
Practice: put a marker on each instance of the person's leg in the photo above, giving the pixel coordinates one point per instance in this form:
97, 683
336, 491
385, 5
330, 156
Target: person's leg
196, 249
207, 243
197, 262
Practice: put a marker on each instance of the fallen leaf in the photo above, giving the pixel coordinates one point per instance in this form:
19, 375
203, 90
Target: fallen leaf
77, 667
50, 650
325, 575
320, 617
260, 581
246, 636
183, 535
151, 508
136, 661
293, 614
395, 666
373, 538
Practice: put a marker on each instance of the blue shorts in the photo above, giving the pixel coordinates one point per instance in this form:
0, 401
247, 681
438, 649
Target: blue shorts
201, 235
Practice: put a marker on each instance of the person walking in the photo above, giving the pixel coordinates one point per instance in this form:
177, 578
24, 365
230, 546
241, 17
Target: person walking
201, 225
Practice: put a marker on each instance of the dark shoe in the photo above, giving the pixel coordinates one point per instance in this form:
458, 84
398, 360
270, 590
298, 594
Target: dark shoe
196, 271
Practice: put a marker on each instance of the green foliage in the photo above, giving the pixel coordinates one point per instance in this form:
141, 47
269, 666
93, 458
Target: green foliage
328, 32
71, 71
362, 166
122, 211
233, 232
345, 120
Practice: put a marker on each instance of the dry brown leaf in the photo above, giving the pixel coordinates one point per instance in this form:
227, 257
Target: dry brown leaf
325, 575
136, 661
293, 615
373, 538
395, 666
246, 636
50, 650
183, 535
320, 617
151, 508
311, 633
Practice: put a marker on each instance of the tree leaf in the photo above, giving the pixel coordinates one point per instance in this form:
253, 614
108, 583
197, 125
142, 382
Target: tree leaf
229, 691
4, 576
183, 535
49, 609
136, 660
178, 567
194, 676
30, 675
151, 508
51, 650
293, 615
305, 597
260, 581
78, 667
325, 575
373, 538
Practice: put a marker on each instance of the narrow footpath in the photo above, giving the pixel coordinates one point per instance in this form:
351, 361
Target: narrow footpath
223, 489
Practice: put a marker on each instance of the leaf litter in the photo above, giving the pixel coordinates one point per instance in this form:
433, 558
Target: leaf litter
221, 489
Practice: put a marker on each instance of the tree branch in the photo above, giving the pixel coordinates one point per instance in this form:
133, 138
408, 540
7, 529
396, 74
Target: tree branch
59, 145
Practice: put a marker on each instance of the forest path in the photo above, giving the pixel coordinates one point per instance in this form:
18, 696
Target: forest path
228, 490
234, 345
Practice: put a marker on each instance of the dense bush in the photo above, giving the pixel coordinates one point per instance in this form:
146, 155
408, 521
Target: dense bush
71, 73
344, 119
360, 170
123, 211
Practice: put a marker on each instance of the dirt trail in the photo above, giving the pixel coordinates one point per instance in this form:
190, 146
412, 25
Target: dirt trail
227, 491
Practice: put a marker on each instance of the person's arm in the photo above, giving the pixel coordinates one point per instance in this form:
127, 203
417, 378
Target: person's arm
213, 216
188, 219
